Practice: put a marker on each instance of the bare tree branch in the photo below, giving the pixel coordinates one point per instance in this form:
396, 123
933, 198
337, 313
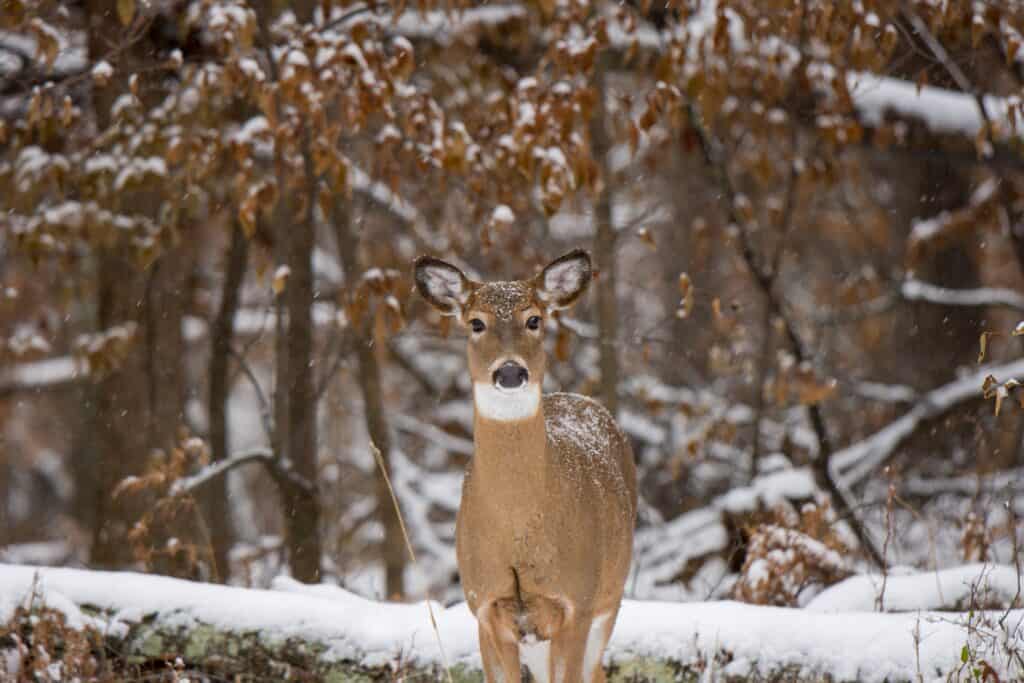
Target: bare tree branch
279, 470
856, 462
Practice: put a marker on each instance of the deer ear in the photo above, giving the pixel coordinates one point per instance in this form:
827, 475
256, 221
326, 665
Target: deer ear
443, 285
564, 280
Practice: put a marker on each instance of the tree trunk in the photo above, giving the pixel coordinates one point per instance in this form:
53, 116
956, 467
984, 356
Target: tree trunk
166, 294
604, 246
118, 445
221, 338
138, 406
302, 510
393, 550
111, 398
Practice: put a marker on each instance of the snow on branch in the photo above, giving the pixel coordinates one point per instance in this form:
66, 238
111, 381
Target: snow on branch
61, 371
444, 27
50, 373
885, 393
1009, 481
337, 635
212, 471
856, 462
874, 96
943, 111
916, 290
434, 25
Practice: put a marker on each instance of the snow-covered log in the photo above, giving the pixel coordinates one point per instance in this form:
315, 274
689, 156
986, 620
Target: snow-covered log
958, 588
330, 634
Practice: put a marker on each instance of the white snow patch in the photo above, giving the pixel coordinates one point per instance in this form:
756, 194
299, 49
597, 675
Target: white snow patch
943, 589
503, 216
769, 490
103, 71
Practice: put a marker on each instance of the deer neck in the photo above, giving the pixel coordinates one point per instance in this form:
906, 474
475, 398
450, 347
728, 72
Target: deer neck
509, 436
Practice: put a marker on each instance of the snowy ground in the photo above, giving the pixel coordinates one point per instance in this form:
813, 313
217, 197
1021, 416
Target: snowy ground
839, 635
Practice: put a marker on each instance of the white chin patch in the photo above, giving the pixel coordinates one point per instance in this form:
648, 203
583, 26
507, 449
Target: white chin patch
506, 405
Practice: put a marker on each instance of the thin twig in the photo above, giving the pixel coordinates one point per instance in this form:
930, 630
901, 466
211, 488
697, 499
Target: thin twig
412, 553
1016, 550
948, 64
265, 414
343, 347
422, 378
351, 14
135, 33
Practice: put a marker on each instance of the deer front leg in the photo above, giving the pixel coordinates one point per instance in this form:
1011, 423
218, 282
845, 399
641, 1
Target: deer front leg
577, 648
597, 639
567, 650
499, 650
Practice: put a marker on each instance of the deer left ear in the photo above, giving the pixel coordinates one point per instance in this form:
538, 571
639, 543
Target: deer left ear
563, 281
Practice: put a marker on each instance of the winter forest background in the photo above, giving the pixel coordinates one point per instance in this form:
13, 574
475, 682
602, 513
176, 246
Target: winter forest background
807, 218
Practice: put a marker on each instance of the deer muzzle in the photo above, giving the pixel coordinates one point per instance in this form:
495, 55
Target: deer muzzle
511, 375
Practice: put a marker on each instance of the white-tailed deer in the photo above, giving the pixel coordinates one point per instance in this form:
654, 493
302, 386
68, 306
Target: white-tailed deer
544, 534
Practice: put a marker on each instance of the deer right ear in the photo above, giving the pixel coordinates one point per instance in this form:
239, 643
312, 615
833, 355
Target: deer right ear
442, 285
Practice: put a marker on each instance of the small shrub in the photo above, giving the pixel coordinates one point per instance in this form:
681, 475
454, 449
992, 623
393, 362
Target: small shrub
783, 563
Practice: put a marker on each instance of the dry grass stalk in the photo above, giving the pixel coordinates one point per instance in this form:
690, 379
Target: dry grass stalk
412, 555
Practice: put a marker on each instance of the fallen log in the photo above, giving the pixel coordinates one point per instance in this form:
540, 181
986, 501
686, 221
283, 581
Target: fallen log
324, 633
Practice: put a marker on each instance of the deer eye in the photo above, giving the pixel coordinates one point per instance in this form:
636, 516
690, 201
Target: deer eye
533, 322
477, 325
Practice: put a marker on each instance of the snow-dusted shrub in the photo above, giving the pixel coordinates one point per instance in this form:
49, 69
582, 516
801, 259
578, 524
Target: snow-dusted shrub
788, 566
37, 644
169, 534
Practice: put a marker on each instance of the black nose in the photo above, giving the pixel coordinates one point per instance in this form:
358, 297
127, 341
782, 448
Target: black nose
511, 375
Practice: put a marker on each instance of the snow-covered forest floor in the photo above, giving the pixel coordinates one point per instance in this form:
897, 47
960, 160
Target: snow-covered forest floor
932, 626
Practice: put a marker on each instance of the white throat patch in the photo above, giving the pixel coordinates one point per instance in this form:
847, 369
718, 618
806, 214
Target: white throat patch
506, 405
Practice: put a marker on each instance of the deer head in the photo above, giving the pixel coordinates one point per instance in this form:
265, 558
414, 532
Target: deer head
505, 321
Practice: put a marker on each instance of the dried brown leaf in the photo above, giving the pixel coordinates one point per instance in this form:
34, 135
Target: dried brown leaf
125, 11
983, 344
